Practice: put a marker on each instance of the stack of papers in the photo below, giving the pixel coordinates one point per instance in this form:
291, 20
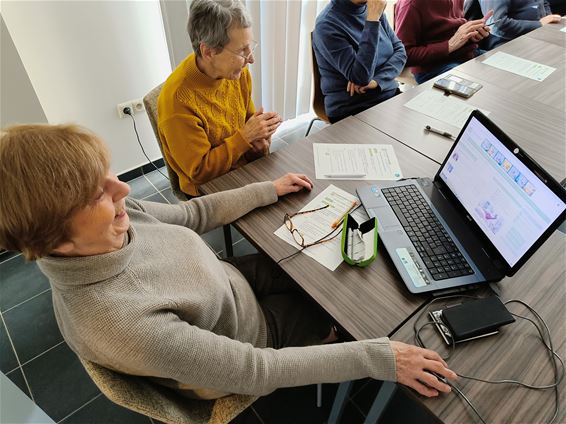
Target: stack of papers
313, 226
356, 162
523, 67
447, 109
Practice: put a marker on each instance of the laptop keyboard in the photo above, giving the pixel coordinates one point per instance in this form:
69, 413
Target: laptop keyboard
435, 246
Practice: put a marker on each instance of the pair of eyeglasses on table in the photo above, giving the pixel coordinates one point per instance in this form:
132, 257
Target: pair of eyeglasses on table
299, 237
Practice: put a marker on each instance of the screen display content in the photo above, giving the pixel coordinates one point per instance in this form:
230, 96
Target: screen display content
510, 203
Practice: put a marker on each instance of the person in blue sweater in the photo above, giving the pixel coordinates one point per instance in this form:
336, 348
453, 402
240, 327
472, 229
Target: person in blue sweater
513, 18
358, 54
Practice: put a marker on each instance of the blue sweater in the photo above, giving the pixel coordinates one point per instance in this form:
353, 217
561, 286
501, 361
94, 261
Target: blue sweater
516, 17
349, 48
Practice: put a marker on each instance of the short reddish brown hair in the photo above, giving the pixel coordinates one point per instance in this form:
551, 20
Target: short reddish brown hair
47, 173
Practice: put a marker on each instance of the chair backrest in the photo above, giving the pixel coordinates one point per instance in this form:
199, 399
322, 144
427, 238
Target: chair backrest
145, 397
318, 97
150, 102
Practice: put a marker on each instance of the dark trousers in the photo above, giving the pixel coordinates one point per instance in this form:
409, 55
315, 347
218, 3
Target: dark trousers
293, 318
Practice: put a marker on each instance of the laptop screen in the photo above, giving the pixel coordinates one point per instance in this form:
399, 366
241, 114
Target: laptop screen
510, 203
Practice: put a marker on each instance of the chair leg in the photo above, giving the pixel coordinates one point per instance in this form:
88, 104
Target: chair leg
310, 125
228, 241
384, 395
339, 402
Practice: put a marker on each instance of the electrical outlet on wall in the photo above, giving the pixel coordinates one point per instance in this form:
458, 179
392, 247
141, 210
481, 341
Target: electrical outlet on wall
122, 106
138, 105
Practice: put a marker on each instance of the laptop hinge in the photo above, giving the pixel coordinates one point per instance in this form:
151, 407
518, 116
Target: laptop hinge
456, 290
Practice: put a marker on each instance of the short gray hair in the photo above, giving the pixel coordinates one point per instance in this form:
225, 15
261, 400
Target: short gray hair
210, 20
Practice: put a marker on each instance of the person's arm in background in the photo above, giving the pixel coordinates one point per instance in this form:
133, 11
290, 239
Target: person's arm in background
509, 27
355, 66
394, 66
409, 28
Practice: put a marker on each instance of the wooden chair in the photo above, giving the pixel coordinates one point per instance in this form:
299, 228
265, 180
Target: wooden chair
139, 394
150, 103
318, 97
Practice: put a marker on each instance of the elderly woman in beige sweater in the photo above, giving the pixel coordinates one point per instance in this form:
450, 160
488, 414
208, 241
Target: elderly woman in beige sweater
136, 289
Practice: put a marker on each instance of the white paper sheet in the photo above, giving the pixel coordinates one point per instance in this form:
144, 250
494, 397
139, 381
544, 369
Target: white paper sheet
563, 29
516, 65
315, 225
448, 109
343, 161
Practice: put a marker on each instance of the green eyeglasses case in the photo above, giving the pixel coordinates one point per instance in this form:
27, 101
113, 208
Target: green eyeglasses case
359, 241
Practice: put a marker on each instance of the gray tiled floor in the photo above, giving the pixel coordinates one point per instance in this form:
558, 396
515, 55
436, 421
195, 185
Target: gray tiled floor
35, 357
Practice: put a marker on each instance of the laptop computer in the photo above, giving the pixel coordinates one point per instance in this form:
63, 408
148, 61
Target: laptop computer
488, 209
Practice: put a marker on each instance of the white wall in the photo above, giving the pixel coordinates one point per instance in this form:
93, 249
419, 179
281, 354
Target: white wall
85, 57
19, 103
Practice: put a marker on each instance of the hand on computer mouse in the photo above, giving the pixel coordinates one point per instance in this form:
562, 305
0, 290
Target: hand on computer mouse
415, 367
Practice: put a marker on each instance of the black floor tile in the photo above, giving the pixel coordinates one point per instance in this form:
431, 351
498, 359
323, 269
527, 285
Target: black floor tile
158, 180
168, 193
7, 254
32, 327
17, 378
19, 280
215, 239
141, 188
103, 411
157, 198
244, 247
236, 236
8, 360
59, 383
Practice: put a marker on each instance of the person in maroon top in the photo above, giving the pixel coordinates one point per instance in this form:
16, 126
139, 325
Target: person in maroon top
437, 36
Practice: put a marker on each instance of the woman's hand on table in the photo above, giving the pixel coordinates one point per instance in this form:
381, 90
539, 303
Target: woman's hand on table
291, 183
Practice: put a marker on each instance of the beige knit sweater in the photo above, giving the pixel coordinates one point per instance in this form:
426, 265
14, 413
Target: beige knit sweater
164, 306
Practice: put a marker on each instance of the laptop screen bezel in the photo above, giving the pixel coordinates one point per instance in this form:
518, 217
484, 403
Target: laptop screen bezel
544, 176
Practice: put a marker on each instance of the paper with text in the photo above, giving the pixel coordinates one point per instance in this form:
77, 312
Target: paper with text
448, 109
516, 65
342, 161
313, 226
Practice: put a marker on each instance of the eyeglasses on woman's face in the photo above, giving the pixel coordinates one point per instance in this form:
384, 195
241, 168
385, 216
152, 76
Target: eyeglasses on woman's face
298, 236
247, 52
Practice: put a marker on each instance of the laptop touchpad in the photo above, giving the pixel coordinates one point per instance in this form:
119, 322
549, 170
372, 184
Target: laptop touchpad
387, 219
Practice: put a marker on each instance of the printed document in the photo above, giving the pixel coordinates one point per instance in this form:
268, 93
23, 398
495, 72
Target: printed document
356, 162
523, 67
315, 225
447, 109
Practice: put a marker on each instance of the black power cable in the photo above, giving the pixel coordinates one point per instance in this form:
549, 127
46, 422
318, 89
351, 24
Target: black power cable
128, 112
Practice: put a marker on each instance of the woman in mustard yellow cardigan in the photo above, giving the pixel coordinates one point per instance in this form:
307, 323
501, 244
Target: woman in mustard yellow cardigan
207, 121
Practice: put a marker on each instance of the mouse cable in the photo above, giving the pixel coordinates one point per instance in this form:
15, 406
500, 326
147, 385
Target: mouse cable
554, 357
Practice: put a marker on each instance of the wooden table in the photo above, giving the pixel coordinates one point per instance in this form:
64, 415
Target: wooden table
387, 302
373, 301
515, 353
535, 126
549, 92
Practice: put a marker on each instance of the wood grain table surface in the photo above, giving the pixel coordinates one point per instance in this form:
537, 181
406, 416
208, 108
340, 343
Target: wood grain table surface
386, 301
373, 302
515, 353
550, 91
538, 128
